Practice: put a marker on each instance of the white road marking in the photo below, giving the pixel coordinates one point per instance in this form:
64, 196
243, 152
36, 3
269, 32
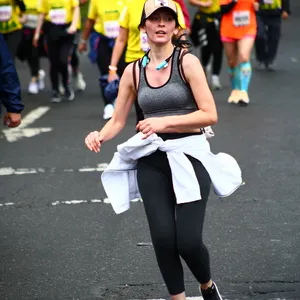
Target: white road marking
15, 134
26, 171
70, 202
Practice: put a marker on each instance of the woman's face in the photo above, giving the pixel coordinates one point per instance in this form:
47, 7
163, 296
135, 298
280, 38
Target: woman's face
160, 26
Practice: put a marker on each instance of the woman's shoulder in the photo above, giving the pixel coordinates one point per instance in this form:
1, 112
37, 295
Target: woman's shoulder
187, 58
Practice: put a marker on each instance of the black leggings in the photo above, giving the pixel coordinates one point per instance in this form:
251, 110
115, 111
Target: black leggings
103, 60
213, 48
31, 53
59, 51
75, 57
13, 39
59, 45
176, 229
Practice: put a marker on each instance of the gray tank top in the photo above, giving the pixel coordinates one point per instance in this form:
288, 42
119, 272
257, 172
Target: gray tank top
173, 98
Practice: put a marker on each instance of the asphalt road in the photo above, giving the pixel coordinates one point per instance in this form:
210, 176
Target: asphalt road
60, 239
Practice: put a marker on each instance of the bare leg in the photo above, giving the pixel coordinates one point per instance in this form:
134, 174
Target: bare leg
231, 51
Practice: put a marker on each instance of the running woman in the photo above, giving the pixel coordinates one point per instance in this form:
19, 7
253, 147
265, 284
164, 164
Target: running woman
175, 98
103, 17
12, 19
59, 19
238, 32
30, 53
209, 15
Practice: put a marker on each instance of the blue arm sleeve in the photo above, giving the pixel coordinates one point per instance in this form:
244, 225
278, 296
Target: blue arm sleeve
10, 89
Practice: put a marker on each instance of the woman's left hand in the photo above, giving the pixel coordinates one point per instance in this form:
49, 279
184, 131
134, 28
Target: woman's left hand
151, 125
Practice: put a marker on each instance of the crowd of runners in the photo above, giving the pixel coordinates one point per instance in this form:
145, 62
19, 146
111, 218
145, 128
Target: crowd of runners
55, 29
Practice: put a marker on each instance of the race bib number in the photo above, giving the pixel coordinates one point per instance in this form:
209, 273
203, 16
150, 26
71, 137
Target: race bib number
5, 13
144, 42
58, 16
269, 2
32, 20
241, 18
111, 29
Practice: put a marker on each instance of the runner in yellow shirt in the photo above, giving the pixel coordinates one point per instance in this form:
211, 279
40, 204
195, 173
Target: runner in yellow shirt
26, 51
60, 19
133, 39
103, 17
11, 20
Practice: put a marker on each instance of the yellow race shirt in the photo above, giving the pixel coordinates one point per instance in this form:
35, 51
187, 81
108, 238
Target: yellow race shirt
214, 8
106, 13
130, 19
9, 16
58, 12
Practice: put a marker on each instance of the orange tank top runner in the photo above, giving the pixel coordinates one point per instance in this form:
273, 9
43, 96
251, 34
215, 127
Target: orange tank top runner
240, 21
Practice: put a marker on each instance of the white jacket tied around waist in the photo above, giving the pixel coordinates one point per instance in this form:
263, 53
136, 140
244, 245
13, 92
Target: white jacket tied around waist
120, 181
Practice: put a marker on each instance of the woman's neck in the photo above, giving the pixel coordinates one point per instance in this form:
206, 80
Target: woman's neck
159, 54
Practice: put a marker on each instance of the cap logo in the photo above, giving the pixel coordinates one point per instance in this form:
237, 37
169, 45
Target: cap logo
161, 3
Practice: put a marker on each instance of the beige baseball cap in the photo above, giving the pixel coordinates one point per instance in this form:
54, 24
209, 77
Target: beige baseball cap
152, 6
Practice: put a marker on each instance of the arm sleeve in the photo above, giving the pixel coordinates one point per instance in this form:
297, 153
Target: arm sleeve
10, 89
42, 7
75, 3
185, 12
92, 13
124, 18
226, 6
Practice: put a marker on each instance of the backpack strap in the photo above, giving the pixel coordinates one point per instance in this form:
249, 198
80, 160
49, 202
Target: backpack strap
135, 83
180, 60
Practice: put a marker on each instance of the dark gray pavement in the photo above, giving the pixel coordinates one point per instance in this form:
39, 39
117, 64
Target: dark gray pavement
53, 247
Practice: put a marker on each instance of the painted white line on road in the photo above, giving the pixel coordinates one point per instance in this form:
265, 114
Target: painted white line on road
26, 171
15, 134
7, 204
71, 202
33, 116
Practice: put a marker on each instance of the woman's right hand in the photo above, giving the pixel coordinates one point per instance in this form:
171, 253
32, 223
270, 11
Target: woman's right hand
35, 39
93, 142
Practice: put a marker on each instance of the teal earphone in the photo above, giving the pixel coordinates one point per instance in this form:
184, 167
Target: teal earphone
162, 65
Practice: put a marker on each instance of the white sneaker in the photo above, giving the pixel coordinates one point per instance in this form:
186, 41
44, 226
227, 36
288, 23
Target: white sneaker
108, 111
80, 84
33, 88
41, 79
215, 82
61, 89
69, 93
